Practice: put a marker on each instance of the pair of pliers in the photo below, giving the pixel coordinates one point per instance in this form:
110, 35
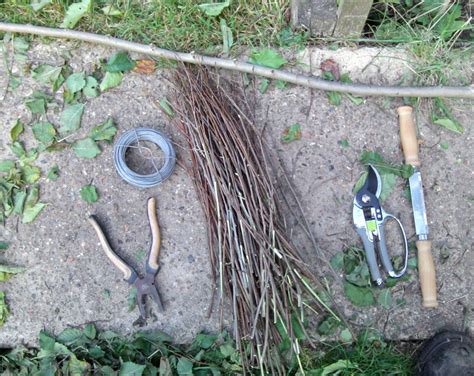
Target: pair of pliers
146, 285
369, 220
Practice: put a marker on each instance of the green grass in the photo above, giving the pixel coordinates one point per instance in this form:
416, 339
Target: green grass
175, 24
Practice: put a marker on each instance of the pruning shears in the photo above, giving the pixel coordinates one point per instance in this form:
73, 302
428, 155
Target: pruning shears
369, 220
146, 285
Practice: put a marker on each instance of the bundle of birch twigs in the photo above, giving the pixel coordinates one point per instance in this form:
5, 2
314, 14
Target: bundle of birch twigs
256, 267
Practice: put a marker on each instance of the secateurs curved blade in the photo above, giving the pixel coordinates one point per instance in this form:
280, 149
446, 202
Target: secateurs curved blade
146, 285
369, 220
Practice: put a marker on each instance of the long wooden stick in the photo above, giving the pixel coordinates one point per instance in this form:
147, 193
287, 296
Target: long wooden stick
235, 65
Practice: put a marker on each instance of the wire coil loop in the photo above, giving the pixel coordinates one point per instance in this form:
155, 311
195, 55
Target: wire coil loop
135, 136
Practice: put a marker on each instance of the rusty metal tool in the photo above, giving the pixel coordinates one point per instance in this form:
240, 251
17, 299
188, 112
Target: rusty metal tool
426, 267
146, 285
369, 220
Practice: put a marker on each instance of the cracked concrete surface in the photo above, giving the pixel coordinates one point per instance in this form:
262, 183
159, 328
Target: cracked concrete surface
69, 281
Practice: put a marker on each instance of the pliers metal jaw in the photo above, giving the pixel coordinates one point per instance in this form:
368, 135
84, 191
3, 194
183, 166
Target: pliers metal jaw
145, 286
369, 221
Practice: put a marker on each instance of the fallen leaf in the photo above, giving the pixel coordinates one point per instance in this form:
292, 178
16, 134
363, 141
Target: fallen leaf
70, 118
110, 10
86, 148
74, 13
279, 84
119, 62
267, 58
46, 74
329, 65
385, 298
37, 5
4, 312
3, 246
144, 66
359, 296
450, 125
263, 86
92, 87
214, 9
104, 131
30, 213
328, 325
334, 98
291, 134
30, 174
337, 261
110, 80
346, 335
389, 181
36, 105
16, 130
166, 106
44, 132
343, 143
18, 149
53, 173
19, 199
89, 193
76, 82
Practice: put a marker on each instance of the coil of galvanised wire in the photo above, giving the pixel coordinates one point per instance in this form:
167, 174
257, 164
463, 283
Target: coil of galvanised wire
135, 136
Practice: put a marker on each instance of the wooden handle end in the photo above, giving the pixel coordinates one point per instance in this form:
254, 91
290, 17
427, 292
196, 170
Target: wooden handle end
408, 135
427, 274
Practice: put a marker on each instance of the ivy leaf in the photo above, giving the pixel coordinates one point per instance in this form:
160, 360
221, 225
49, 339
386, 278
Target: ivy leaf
30, 213
291, 134
70, 118
110, 80
214, 9
92, 87
76, 82
37, 5
359, 296
74, 13
104, 131
44, 132
450, 125
16, 130
385, 298
131, 369
46, 74
53, 173
89, 194
119, 62
267, 58
86, 148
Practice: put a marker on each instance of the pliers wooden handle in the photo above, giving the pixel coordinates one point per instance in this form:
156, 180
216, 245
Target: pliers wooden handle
146, 285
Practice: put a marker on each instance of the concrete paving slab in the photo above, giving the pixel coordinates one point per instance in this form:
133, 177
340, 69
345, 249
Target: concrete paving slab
69, 281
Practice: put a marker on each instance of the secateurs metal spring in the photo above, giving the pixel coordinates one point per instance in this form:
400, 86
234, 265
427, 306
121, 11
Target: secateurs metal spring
369, 220
146, 285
